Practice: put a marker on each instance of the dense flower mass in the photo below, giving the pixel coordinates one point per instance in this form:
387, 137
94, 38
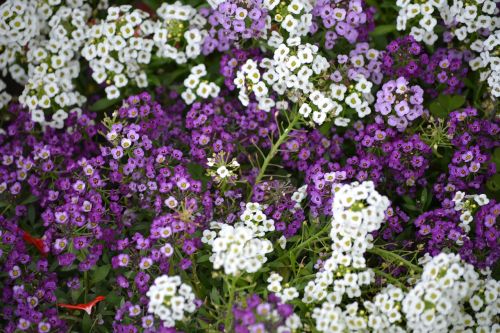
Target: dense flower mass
258, 166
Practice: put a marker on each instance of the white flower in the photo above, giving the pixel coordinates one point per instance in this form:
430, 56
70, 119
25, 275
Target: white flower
353, 100
170, 299
363, 85
188, 96
238, 248
112, 92
319, 117
338, 91
223, 172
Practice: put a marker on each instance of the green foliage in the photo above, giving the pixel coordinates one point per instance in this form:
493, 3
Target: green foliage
445, 104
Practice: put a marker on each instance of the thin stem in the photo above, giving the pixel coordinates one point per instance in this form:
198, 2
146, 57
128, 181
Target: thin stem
305, 243
228, 323
393, 257
389, 278
6, 209
86, 285
274, 149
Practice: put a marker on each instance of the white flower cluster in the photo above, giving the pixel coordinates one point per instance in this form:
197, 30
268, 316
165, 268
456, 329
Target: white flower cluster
358, 209
118, 46
488, 61
9, 56
47, 36
285, 294
448, 297
467, 205
181, 25
478, 25
291, 72
53, 64
331, 318
238, 247
256, 220
4, 96
349, 283
197, 87
170, 299
475, 23
221, 169
447, 287
357, 96
19, 22
385, 310
422, 13
292, 323
298, 72
299, 195
295, 19
380, 315
485, 303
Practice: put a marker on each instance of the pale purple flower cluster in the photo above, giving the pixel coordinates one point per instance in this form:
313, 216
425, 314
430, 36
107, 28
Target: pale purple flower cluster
399, 103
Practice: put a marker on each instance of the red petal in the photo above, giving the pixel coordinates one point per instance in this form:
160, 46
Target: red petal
37, 242
87, 307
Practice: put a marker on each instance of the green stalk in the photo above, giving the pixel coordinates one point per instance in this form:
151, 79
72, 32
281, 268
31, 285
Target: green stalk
228, 323
394, 258
274, 149
305, 243
389, 278
86, 285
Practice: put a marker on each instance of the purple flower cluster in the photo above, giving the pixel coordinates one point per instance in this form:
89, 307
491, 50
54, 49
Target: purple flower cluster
473, 140
438, 229
399, 104
361, 60
350, 20
222, 124
233, 21
277, 196
442, 72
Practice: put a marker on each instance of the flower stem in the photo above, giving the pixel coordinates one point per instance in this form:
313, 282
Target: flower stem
274, 149
228, 323
85, 284
389, 278
305, 243
393, 257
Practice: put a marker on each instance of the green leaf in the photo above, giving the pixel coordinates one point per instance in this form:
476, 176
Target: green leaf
154, 80
214, 296
445, 104
496, 157
31, 213
325, 128
29, 200
383, 29
203, 258
100, 273
197, 172
423, 197
114, 299
438, 110
103, 104
493, 183
75, 294
86, 323
455, 102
